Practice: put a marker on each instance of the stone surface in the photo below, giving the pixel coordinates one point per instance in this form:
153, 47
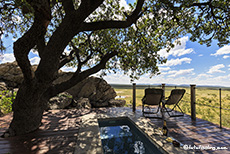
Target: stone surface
11, 74
3, 86
97, 90
117, 103
82, 103
60, 102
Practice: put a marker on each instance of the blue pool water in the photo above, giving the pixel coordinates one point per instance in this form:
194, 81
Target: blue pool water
121, 136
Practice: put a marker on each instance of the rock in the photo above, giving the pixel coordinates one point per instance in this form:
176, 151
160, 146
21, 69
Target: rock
117, 103
12, 74
100, 104
60, 102
96, 89
82, 103
3, 86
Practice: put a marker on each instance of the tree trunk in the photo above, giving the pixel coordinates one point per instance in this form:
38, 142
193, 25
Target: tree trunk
28, 109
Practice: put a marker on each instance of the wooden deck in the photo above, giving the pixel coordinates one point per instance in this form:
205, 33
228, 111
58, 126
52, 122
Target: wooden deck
198, 133
60, 130
57, 134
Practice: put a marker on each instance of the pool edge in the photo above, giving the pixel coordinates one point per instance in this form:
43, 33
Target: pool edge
89, 133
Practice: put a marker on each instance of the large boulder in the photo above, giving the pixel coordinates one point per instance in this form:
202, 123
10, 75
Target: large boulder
11, 74
97, 90
81, 103
117, 103
60, 102
3, 86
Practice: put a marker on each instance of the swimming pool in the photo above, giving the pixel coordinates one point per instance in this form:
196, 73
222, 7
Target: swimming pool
121, 136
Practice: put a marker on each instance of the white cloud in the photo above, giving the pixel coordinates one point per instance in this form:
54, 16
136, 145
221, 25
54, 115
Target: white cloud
225, 57
35, 60
174, 62
68, 69
67, 51
164, 69
124, 4
200, 55
181, 72
8, 57
204, 76
118, 78
222, 51
14, 39
16, 19
216, 69
189, 78
178, 50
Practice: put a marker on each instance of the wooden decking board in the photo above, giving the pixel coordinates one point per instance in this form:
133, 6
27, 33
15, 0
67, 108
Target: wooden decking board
60, 128
57, 134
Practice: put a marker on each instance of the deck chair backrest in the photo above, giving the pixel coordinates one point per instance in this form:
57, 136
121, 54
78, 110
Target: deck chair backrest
153, 96
175, 96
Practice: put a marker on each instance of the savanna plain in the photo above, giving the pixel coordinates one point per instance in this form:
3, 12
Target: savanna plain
207, 101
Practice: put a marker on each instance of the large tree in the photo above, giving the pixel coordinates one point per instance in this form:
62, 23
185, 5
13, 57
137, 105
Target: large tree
100, 35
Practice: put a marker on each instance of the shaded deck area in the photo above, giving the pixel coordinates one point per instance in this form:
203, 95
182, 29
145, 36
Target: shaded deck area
57, 134
60, 128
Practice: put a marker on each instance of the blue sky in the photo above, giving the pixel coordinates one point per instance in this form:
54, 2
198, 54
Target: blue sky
188, 63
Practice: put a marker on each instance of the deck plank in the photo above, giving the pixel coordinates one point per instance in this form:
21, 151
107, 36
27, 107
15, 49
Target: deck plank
57, 134
60, 128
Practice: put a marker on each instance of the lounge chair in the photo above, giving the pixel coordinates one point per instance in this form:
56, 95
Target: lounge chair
153, 97
174, 99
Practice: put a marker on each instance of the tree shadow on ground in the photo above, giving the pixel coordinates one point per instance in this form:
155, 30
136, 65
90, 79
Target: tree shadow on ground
57, 134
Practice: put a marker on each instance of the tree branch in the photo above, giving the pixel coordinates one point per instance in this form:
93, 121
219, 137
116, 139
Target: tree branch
67, 59
34, 36
68, 6
113, 23
67, 29
78, 77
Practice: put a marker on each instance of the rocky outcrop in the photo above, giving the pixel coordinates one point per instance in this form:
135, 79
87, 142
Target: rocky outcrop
60, 102
98, 92
3, 86
117, 103
81, 103
11, 74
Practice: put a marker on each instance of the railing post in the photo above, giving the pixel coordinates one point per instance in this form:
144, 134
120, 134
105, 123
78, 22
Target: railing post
193, 102
220, 109
134, 97
163, 88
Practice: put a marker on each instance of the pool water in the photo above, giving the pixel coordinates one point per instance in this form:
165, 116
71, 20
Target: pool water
121, 136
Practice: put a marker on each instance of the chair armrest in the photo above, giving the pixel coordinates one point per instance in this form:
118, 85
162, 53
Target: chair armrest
143, 99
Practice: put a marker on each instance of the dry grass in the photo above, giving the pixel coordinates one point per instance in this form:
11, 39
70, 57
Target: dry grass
204, 96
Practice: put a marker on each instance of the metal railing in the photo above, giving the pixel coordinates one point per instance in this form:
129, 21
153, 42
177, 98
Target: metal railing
217, 107
193, 102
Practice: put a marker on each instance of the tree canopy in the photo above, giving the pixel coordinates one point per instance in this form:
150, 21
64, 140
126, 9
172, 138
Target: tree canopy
132, 33
100, 35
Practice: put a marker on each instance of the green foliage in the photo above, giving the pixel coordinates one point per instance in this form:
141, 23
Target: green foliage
159, 24
6, 101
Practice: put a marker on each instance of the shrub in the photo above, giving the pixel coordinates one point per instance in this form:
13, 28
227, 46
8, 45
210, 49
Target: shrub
6, 101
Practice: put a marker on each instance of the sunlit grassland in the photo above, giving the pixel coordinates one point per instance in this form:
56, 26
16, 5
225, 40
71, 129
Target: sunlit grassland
204, 96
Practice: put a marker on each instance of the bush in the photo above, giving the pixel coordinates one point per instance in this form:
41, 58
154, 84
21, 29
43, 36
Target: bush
6, 101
